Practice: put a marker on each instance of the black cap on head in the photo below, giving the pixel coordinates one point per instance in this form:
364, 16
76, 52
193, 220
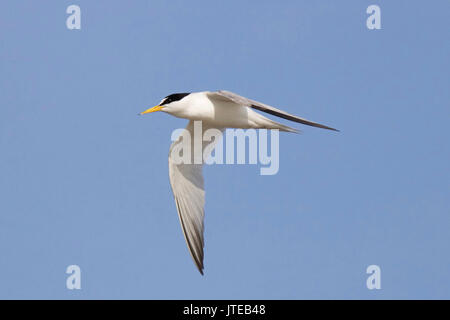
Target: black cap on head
174, 97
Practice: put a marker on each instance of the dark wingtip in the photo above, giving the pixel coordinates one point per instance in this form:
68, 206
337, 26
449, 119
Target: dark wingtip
326, 127
200, 268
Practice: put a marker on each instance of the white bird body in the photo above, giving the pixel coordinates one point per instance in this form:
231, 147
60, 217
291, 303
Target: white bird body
220, 110
220, 113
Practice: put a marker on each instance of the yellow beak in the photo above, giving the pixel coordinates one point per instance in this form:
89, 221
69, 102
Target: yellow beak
154, 109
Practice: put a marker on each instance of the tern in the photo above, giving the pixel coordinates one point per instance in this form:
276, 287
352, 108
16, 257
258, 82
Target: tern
220, 110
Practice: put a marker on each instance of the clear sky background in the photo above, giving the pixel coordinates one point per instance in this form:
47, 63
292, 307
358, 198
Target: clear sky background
84, 180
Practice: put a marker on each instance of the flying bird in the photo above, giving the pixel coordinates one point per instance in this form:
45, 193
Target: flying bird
219, 110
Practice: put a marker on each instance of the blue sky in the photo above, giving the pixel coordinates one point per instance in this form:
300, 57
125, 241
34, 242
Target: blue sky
83, 179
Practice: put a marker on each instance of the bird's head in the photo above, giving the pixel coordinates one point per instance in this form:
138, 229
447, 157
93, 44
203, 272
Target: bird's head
170, 104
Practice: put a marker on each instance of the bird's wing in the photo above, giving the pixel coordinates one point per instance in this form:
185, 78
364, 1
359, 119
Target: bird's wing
223, 95
188, 190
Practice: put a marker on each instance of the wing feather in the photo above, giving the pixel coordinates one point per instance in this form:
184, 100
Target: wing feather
186, 180
230, 96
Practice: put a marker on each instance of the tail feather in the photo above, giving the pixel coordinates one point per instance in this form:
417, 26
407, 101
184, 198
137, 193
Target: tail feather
282, 127
266, 123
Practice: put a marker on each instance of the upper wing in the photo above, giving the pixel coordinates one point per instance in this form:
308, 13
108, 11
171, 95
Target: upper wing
230, 96
188, 190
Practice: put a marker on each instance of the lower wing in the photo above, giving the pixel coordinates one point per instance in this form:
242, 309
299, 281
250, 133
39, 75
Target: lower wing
187, 183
